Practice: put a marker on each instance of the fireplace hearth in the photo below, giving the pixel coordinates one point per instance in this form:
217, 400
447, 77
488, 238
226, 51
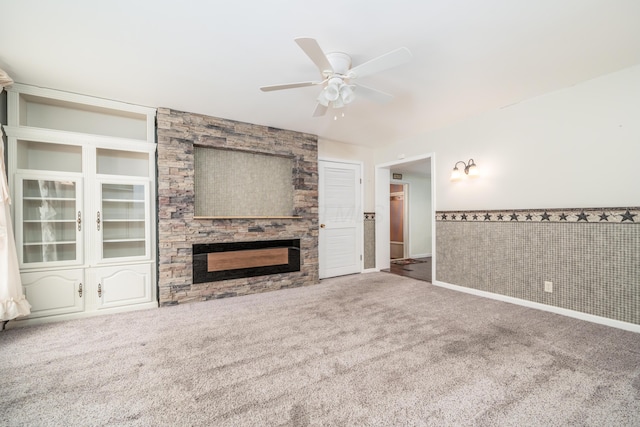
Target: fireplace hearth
224, 261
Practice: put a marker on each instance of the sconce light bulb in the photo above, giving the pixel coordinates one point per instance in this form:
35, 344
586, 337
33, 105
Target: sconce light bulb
470, 170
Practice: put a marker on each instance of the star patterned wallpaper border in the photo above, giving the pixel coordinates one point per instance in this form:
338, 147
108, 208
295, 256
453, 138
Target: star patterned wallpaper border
589, 215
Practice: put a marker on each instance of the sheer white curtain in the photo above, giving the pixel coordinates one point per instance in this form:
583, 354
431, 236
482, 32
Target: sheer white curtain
48, 212
12, 301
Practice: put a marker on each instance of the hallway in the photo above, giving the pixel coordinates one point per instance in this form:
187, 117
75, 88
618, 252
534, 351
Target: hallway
419, 268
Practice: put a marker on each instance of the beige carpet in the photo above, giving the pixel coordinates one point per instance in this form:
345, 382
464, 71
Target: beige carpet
364, 350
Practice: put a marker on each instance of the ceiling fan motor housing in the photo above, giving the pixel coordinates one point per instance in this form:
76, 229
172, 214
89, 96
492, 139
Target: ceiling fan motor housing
341, 63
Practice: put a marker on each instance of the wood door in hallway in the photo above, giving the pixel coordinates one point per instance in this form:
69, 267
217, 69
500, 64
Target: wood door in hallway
340, 214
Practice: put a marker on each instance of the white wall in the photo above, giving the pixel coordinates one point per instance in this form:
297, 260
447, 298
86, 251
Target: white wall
333, 150
419, 214
577, 147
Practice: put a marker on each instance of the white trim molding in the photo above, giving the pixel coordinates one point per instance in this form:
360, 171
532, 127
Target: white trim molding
543, 307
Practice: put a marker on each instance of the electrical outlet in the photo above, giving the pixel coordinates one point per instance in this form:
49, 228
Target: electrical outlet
548, 286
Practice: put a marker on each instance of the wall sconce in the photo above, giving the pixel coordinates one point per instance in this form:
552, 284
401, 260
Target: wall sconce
470, 169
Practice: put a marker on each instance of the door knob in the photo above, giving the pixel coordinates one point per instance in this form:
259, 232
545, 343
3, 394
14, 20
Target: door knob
322, 225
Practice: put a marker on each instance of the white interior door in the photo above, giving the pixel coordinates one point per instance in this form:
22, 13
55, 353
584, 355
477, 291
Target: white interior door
340, 240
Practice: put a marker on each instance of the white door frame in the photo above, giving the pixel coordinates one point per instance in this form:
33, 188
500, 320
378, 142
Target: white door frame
406, 225
360, 213
383, 179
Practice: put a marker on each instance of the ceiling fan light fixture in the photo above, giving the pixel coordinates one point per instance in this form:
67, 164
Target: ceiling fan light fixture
337, 72
332, 91
322, 99
347, 93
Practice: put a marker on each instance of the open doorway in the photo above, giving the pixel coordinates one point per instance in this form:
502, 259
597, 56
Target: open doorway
398, 236
405, 213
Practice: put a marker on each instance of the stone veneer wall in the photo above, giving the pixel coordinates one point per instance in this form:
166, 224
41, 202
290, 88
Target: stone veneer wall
592, 257
178, 230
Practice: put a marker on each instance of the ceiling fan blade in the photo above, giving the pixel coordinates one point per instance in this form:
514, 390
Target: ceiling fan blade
320, 110
373, 94
288, 86
312, 49
381, 63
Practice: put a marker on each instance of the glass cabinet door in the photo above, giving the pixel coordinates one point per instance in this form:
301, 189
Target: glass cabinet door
49, 221
123, 220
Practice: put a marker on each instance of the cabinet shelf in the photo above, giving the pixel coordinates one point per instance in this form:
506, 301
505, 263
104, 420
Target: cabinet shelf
123, 220
122, 240
46, 221
67, 242
50, 199
123, 200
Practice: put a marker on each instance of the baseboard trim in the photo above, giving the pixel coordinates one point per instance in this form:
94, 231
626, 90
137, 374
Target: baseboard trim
538, 306
420, 255
371, 270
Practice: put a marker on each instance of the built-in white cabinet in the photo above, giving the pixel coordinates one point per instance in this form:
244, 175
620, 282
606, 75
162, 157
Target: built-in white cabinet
54, 293
122, 220
82, 174
122, 285
49, 220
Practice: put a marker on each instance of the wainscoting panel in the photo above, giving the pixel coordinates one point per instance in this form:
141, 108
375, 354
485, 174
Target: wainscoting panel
369, 240
591, 256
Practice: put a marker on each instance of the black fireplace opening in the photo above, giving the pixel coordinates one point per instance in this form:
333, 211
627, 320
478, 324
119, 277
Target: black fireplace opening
214, 262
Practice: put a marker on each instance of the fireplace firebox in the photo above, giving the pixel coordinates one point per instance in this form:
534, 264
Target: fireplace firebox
213, 262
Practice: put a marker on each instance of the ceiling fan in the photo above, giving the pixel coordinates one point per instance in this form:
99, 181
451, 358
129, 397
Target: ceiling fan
338, 76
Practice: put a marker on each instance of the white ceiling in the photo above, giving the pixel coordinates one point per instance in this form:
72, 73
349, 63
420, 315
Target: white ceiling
211, 57
420, 167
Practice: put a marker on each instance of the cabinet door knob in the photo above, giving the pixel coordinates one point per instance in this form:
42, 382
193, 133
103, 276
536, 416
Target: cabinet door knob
79, 221
80, 290
98, 221
99, 289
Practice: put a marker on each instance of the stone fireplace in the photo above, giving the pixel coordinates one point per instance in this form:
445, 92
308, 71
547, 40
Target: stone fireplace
186, 242
224, 261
